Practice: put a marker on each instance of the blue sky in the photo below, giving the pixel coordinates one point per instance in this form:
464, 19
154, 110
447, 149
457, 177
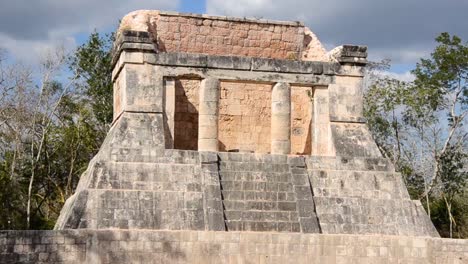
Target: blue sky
400, 30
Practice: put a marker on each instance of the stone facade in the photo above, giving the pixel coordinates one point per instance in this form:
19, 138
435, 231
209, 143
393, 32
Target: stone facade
191, 33
243, 149
187, 103
131, 246
245, 117
167, 163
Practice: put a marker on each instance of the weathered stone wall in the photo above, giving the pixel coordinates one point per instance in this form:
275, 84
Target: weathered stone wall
116, 246
176, 32
266, 193
301, 120
245, 117
186, 114
135, 183
364, 196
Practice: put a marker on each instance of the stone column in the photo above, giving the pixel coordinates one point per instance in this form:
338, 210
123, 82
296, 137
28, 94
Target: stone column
169, 112
322, 144
208, 115
281, 119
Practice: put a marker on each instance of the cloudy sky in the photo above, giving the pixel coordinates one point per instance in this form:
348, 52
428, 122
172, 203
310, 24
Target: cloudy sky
401, 30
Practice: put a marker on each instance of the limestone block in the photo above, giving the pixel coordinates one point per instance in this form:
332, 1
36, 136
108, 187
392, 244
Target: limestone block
281, 146
277, 130
139, 89
209, 90
207, 120
207, 132
207, 144
322, 143
208, 115
280, 107
281, 92
354, 140
169, 111
346, 103
208, 108
281, 119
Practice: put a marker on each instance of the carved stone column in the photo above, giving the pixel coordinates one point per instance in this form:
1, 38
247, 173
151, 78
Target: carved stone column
169, 111
208, 115
281, 119
322, 144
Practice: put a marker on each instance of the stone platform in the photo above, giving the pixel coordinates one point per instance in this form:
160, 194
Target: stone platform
235, 141
134, 183
145, 246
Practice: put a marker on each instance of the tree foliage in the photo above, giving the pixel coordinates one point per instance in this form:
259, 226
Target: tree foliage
421, 127
92, 64
50, 130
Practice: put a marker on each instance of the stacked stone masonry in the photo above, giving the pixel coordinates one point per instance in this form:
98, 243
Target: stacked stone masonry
245, 117
120, 246
186, 113
220, 36
228, 146
160, 166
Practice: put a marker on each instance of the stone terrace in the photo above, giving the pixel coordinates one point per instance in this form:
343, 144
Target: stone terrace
167, 185
120, 246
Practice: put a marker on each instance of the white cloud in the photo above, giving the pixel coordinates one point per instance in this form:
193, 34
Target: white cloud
404, 76
28, 28
31, 51
401, 30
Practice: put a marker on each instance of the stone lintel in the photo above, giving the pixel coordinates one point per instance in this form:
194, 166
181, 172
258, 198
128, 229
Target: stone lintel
230, 18
352, 54
226, 62
131, 40
350, 119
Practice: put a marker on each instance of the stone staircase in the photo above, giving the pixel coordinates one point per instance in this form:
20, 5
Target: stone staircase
266, 193
142, 195
137, 184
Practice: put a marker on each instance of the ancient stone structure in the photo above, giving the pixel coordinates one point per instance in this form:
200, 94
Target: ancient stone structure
224, 126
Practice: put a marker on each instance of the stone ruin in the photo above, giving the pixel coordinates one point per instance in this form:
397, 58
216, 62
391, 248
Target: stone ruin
237, 140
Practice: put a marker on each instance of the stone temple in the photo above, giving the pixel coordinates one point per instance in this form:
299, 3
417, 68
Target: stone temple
236, 140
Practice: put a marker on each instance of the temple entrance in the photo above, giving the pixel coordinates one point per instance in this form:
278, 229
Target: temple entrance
301, 120
244, 117
185, 113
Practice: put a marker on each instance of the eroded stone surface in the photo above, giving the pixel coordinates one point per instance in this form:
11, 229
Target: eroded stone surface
123, 246
313, 48
193, 101
185, 94
174, 32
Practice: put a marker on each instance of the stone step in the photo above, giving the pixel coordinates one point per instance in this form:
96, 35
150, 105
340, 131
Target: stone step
255, 176
257, 186
278, 216
365, 184
371, 216
242, 205
258, 196
252, 157
152, 155
253, 167
259, 226
145, 176
349, 163
261, 195
129, 209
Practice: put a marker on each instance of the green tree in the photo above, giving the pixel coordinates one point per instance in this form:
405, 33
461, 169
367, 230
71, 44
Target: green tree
421, 127
453, 178
92, 63
50, 130
440, 88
